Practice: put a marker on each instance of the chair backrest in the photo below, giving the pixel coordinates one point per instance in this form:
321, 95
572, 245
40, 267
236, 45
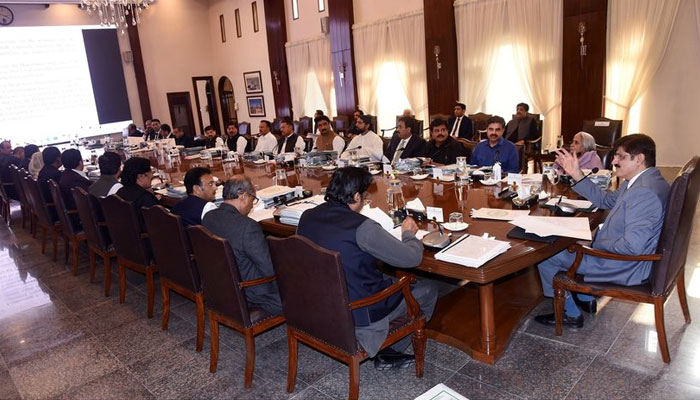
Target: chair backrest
468, 145
373, 123
125, 230
277, 125
63, 216
313, 291
605, 131
340, 123
520, 148
219, 274
606, 155
244, 128
16, 176
307, 124
444, 117
297, 128
41, 210
95, 235
171, 247
479, 120
677, 227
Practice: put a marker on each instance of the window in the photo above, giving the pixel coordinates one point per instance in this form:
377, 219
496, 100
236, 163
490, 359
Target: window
256, 27
238, 23
222, 25
314, 97
295, 9
321, 5
391, 98
505, 90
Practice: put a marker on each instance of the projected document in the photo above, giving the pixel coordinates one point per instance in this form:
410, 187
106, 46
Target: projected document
46, 93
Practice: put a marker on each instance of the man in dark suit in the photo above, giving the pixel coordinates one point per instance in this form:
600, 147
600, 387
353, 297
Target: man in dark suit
52, 161
136, 179
72, 176
201, 191
523, 127
247, 240
442, 148
152, 131
459, 125
7, 158
183, 139
406, 142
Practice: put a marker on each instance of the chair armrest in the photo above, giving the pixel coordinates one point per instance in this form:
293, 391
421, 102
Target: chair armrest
71, 212
102, 224
8, 184
255, 282
581, 250
401, 285
539, 139
50, 204
144, 235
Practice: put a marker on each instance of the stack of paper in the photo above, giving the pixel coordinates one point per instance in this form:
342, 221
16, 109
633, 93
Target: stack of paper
472, 251
378, 216
415, 205
290, 215
574, 227
498, 213
273, 191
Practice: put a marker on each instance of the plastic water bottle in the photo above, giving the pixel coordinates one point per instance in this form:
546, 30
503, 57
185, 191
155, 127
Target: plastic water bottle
496, 171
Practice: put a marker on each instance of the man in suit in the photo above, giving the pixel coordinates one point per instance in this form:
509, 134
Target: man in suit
110, 165
152, 132
459, 125
52, 161
443, 148
290, 141
247, 240
201, 191
72, 177
632, 227
7, 158
406, 142
523, 127
183, 139
136, 180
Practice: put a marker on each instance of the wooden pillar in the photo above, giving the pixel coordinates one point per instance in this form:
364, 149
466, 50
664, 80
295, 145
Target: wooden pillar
441, 35
276, 38
140, 72
341, 18
583, 78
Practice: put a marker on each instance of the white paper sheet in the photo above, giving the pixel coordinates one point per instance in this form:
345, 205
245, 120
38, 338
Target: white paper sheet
574, 227
498, 214
415, 204
259, 215
396, 232
580, 204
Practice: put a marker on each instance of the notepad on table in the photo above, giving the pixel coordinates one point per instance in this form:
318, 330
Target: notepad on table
472, 251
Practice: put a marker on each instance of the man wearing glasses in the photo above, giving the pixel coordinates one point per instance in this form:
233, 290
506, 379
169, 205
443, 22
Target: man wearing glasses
245, 236
201, 190
632, 227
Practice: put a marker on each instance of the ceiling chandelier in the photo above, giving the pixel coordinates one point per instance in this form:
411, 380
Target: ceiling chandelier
117, 12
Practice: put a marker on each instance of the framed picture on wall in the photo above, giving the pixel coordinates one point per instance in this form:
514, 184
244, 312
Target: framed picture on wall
253, 82
256, 106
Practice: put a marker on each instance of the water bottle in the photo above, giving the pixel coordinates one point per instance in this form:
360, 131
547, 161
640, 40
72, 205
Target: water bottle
496, 171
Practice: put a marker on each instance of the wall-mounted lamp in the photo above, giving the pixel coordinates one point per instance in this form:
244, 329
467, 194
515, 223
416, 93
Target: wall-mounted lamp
582, 40
276, 76
341, 73
438, 64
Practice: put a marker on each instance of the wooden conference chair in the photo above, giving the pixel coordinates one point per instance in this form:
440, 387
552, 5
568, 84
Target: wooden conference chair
72, 234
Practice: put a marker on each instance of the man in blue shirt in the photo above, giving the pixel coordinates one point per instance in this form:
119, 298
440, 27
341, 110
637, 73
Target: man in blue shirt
496, 148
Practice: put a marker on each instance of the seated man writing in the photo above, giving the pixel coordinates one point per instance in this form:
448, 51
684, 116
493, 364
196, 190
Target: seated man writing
338, 225
632, 227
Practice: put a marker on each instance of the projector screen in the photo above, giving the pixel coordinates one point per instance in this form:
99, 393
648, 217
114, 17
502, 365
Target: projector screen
58, 83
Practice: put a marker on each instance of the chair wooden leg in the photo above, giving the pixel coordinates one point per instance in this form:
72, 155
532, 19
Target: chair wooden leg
43, 240
122, 284
66, 242
150, 291
214, 347
165, 293
199, 300
75, 244
293, 361
661, 328
419, 340
354, 386
24, 216
249, 358
108, 274
92, 264
54, 237
559, 298
681, 295
32, 224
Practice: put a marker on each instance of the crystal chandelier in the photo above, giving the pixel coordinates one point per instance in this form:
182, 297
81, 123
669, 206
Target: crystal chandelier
117, 12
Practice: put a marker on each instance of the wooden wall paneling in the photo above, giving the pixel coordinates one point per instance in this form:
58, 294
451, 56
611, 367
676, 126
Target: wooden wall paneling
340, 21
583, 84
440, 30
276, 39
140, 72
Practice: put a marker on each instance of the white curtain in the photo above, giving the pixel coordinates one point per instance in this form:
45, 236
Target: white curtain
305, 57
638, 34
370, 54
536, 35
407, 44
480, 26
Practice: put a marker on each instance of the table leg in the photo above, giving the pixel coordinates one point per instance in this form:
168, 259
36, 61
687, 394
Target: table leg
488, 323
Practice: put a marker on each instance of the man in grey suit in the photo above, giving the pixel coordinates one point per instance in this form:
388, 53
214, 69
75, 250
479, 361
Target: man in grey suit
245, 236
632, 227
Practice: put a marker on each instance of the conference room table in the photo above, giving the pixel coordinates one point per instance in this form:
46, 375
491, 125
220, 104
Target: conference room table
490, 302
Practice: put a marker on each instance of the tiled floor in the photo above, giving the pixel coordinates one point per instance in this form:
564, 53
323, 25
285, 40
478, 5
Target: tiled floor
61, 338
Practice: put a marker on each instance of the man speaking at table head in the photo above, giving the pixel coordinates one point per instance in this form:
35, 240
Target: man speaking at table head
632, 227
338, 226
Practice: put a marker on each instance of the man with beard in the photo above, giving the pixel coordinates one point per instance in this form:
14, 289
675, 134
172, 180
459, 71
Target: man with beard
443, 148
367, 143
523, 127
496, 148
327, 140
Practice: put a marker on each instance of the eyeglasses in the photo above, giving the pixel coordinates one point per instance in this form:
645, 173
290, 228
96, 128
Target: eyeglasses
255, 199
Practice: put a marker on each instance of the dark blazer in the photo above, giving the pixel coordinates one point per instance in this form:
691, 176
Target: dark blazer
447, 153
46, 173
466, 128
186, 140
247, 240
414, 148
69, 180
523, 129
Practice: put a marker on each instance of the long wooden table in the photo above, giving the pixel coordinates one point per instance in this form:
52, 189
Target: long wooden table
480, 316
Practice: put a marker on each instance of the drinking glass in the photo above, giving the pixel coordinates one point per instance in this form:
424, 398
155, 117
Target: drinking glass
462, 189
461, 165
280, 178
456, 218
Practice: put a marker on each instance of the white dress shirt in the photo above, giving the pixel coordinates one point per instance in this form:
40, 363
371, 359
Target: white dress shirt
241, 143
298, 146
338, 144
455, 128
372, 146
266, 143
208, 207
399, 149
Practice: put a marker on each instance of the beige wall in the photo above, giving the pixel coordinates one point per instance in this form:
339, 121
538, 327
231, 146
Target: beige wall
373, 10
309, 23
669, 108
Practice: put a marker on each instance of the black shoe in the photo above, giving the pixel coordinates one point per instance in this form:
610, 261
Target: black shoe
391, 359
590, 306
548, 319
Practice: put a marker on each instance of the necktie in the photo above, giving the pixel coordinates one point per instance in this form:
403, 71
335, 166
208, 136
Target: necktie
401, 147
455, 129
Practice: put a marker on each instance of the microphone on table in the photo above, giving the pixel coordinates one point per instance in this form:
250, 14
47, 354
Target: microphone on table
354, 148
495, 156
566, 208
